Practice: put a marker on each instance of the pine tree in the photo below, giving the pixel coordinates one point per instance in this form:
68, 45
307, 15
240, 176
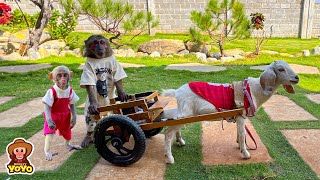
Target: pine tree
222, 21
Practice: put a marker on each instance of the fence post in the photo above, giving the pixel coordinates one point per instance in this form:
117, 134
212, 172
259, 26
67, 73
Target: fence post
306, 21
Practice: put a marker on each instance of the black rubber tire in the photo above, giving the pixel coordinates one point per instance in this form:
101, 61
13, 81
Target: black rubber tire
152, 132
117, 147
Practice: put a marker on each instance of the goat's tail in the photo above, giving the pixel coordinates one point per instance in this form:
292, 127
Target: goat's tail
168, 92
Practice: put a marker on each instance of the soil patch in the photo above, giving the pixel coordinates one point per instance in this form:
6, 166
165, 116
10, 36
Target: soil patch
300, 69
5, 99
306, 143
24, 68
151, 166
314, 97
219, 147
58, 145
281, 108
195, 67
21, 114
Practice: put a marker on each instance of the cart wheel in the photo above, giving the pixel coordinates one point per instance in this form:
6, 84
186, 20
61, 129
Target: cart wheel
119, 140
152, 132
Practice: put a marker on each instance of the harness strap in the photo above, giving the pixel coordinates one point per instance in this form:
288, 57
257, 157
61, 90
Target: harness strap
54, 93
248, 102
255, 143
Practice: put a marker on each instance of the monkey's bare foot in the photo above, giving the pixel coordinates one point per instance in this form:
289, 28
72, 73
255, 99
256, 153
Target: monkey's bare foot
49, 155
71, 147
86, 141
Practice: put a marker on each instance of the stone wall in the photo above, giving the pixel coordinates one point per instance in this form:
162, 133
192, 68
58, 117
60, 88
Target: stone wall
285, 16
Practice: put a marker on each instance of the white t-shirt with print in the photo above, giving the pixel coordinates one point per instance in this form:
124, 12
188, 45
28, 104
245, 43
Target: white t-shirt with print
48, 98
108, 69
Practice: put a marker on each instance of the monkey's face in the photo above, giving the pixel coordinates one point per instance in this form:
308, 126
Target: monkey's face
62, 79
20, 152
97, 47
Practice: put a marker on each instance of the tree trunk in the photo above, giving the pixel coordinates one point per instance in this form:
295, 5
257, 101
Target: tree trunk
220, 44
42, 21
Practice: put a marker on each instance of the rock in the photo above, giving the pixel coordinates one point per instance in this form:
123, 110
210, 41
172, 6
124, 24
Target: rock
201, 56
54, 44
216, 55
155, 54
23, 36
183, 52
64, 52
163, 46
227, 59
237, 56
12, 56
78, 52
316, 50
33, 55
194, 47
306, 53
212, 60
234, 52
124, 52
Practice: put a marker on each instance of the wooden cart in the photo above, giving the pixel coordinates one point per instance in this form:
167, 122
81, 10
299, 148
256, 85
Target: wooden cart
120, 138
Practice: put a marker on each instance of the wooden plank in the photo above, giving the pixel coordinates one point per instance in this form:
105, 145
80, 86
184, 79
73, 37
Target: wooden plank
204, 117
152, 96
161, 103
122, 105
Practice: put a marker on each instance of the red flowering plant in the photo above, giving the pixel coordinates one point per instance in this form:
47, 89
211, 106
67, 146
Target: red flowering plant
257, 24
5, 13
257, 20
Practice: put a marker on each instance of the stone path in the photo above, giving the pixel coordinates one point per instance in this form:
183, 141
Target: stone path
306, 143
314, 97
219, 147
281, 108
21, 114
151, 166
24, 68
300, 69
195, 67
58, 145
124, 65
5, 99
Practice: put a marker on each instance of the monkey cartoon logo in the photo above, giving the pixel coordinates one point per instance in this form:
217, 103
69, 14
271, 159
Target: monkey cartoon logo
18, 152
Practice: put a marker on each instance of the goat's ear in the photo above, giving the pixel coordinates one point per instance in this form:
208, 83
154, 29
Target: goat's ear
268, 81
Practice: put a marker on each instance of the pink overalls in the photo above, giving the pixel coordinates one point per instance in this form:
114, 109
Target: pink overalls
60, 114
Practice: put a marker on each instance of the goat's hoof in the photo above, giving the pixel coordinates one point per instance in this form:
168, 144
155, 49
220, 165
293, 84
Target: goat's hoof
181, 142
246, 155
170, 160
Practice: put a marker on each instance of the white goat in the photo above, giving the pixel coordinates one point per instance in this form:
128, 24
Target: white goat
262, 88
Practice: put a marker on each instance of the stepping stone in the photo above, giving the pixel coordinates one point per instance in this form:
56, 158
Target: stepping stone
5, 99
300, 69
151, 166
21, 114
314, 97
306, 143
124, 65
219, 147
58, 145
281, 108
81, 105
195, 67
24, 68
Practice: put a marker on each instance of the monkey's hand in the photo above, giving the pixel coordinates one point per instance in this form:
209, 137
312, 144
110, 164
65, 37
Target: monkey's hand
123, 96
51, 124
71, 147
73, 122
93, 108
49, 155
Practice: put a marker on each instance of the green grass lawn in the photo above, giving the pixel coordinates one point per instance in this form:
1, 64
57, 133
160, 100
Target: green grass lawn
286, 164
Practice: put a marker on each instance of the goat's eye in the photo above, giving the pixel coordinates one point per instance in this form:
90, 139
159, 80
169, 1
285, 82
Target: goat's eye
281, 69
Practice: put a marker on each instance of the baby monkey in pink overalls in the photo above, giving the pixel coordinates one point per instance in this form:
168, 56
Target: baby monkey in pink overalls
59, 109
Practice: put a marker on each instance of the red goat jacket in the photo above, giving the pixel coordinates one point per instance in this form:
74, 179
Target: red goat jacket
219, 95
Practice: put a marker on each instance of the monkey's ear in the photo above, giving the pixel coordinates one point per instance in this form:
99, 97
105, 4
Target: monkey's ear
71, 74
50, 76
